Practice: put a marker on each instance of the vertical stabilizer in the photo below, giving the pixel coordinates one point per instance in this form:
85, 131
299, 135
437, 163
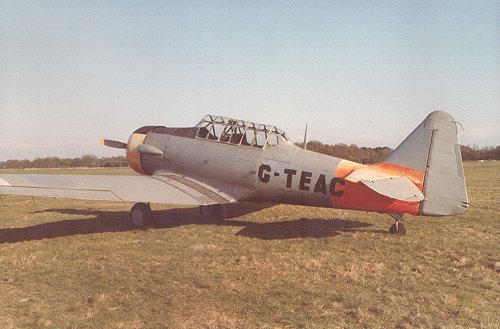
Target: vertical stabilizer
433, 148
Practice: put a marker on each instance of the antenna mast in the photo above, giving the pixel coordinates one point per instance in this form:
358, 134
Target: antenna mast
305, 139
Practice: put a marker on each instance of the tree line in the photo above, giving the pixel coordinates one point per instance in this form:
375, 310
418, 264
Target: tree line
476, 153
367, 155
86, 161
351, 152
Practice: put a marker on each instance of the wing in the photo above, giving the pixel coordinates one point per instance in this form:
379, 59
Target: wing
170, 189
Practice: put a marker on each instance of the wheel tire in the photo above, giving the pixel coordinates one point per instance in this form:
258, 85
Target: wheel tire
141, 215
399, 230
211, 211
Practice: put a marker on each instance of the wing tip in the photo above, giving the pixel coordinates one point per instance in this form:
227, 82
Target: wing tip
4, 182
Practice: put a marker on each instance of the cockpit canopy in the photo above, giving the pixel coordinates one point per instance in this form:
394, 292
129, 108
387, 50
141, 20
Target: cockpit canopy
239, 132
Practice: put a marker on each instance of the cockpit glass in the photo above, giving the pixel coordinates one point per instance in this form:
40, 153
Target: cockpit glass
239, 132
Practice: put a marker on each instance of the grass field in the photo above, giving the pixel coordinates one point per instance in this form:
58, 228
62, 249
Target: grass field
79, 264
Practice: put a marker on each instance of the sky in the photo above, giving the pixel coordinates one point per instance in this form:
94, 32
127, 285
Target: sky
357, 72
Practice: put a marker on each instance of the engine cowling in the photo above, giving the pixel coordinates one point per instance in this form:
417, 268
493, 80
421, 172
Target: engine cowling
134, 154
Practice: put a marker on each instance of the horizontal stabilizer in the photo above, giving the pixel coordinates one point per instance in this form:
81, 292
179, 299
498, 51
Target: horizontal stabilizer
399, 188
390, 183
370, 173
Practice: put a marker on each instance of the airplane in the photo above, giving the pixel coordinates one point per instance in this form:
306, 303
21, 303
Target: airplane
222, 160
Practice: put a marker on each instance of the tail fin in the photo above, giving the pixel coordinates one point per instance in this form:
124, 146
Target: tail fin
433, 148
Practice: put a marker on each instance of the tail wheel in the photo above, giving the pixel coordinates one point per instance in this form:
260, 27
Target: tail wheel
141, 215
397, 229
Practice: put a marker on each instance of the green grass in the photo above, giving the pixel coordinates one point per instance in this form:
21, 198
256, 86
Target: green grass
79, 264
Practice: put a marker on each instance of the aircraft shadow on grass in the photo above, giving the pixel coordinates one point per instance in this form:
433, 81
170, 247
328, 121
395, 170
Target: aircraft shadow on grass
96, 221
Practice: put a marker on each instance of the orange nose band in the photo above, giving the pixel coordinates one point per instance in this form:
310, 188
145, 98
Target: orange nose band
133, 156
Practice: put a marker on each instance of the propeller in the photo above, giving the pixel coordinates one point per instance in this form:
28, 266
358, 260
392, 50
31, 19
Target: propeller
114, 144
143, 148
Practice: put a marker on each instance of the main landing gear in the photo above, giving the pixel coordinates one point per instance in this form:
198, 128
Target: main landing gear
397, 228
141, 215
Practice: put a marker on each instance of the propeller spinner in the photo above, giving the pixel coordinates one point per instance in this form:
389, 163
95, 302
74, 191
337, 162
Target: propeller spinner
136, 148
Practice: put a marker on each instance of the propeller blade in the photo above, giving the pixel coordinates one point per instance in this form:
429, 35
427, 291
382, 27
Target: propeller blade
114, 144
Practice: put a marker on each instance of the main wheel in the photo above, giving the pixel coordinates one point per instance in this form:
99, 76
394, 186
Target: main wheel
398, 229
141, 214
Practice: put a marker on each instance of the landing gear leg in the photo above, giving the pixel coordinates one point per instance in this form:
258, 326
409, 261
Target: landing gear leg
141, 215
398, 228
212, 211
